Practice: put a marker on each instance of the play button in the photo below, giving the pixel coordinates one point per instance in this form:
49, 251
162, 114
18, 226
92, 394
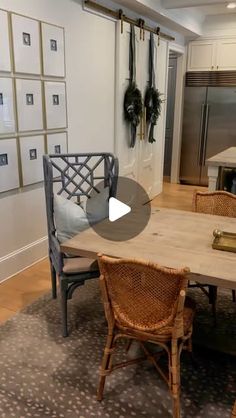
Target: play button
120, 217
117, 209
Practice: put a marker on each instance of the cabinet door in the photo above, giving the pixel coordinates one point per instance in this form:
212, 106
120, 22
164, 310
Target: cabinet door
226, 54
201, 56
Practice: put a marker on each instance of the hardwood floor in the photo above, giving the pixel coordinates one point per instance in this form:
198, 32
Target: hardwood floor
24, 288
27, 286
176, 196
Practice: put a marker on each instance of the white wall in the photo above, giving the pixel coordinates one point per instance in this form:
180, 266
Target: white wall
90, 56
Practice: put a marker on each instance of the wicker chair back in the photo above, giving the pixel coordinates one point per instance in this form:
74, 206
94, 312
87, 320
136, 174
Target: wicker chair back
142, 295
215, 203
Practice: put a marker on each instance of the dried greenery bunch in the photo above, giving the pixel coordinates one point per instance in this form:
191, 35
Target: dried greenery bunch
133, 104
152, 99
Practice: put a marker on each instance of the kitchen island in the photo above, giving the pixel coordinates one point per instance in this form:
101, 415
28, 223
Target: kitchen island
226, 158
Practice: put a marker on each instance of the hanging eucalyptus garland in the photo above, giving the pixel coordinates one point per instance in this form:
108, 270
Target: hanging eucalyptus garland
133, 98
152, 99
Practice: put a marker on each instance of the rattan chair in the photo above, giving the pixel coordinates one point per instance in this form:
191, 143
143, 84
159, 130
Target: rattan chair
73, 176
234, 411
146, 302
214, 203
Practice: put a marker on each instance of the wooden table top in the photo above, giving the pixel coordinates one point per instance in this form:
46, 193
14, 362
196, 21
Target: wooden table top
173, 238
226, 158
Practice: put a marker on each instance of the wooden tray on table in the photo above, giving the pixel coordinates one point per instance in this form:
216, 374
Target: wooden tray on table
225, 241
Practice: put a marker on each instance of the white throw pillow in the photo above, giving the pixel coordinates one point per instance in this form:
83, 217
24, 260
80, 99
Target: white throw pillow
70, 218
97, 207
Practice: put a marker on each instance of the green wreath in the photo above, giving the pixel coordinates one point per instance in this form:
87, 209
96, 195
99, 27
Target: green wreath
152, 103
133, 109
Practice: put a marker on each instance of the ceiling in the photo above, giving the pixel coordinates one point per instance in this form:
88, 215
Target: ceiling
205, 7
185, 17
217, 9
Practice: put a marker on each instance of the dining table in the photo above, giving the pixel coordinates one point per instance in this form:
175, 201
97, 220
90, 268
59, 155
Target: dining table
172, 238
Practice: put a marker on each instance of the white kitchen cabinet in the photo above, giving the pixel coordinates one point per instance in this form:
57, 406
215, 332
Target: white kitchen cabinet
212, 55
226, 54
201, 55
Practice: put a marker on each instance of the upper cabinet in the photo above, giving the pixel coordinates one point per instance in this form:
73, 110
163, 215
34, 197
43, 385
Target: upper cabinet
226, 54
201, 55
212, 55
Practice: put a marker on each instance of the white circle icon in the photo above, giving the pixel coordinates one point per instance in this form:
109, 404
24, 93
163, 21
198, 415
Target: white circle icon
117, 209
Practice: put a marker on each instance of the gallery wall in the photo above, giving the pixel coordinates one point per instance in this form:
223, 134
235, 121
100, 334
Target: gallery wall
33, 114
90, 55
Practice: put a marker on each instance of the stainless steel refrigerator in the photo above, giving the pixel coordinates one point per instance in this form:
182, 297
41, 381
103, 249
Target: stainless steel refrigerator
209, 127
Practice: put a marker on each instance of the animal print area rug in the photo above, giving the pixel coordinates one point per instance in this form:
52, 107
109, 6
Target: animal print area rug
45, 375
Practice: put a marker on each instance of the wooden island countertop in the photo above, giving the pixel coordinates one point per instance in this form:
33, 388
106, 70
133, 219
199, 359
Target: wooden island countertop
226, 158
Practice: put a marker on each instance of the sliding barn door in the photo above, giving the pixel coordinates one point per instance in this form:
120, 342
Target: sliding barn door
147, 151
128, 157
151, 155
161, 83
144, 163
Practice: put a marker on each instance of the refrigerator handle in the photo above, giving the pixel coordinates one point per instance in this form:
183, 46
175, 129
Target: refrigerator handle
205, 135
201, 134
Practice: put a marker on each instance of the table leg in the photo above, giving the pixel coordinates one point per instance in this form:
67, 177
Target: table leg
213, 173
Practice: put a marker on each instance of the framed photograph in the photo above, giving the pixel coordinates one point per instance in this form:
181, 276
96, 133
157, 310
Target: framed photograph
55, 98
26, 44
57, 144
53, 45
31, 152
29, 99
29, 104
53, 50
5, 60
9, 170
3, 159
26, 39
57, 149
7, 115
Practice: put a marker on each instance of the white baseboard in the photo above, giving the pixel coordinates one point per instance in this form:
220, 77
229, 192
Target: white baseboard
22, 258
157, 189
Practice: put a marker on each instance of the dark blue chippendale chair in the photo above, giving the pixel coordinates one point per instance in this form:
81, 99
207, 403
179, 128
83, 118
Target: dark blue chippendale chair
75, 177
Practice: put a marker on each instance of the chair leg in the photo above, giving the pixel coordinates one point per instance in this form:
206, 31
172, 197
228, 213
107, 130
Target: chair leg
189, 348
189, 345
105, 366
64, 308
213, 299
175, 378
128, 345
54, 281
234, 411
234, 295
